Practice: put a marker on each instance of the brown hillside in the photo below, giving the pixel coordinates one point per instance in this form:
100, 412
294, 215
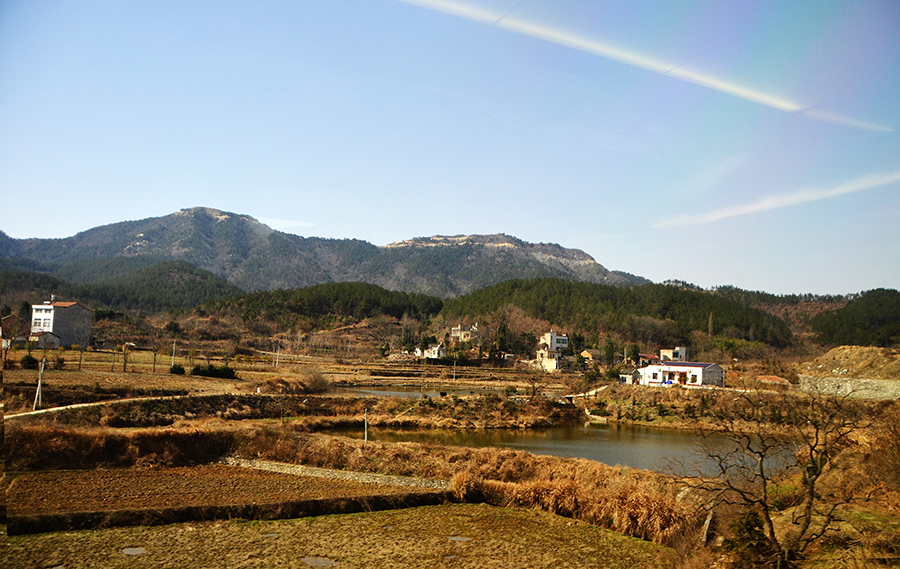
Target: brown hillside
856, 361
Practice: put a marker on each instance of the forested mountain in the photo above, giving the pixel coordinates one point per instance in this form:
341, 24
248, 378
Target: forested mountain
166, 286
650, 313
319, 305
872, 319
252, 256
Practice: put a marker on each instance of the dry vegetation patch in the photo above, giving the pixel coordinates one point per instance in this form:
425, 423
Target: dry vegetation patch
430, 537
203, 485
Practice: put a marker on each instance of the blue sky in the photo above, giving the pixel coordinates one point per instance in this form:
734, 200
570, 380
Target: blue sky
747, 143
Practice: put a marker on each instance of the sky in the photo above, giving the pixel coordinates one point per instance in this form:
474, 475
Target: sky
753, 144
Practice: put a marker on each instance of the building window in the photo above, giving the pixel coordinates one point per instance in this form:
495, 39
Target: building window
46, 322
36, 323
654, 376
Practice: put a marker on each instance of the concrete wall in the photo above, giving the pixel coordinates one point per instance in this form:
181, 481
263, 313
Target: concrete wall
860, 388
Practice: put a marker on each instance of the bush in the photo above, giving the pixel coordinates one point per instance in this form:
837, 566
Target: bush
29, 362
177, 369
210, 370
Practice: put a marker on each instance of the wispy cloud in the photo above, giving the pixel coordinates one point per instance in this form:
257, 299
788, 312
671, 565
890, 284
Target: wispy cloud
633, 58
785, 200
837, 119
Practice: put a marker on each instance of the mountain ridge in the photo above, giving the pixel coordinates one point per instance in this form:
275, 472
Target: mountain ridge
253, 256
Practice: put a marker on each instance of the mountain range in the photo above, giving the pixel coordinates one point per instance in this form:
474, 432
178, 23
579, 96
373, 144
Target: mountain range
253, 256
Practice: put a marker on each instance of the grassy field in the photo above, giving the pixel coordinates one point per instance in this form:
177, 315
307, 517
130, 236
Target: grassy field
460, 535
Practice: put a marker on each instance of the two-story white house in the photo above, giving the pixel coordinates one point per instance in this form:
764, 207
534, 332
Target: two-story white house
69, 322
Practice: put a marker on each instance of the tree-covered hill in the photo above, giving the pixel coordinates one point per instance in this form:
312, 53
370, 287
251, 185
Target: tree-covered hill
166, 286
872, 319
324, 304
637, 313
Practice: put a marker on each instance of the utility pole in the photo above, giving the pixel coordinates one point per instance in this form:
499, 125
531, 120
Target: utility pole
37, 395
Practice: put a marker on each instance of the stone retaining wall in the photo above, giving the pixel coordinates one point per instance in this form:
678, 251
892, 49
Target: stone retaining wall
854, 387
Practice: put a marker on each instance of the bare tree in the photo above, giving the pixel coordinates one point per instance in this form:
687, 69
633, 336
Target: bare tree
770, 437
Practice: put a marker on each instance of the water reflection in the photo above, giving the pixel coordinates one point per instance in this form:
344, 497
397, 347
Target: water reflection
635, 446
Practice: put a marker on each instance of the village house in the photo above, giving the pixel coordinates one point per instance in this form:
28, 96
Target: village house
591, 356
629, 376
7, 331
463, 333
677, 354
432, 352
647, 359
60, 323
688, 374
548, 355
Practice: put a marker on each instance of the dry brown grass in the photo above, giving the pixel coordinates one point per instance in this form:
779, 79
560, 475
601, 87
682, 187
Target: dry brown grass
637, 503
404, 539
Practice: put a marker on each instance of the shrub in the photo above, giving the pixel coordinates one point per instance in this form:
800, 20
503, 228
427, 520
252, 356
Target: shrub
177, 369
29, 362
210, 370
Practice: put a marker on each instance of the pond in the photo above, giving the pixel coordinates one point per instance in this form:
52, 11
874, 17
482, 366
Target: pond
629, 445
433, 391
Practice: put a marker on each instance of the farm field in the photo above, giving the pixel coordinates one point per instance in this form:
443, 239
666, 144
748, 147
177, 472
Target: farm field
203, 485
459, 535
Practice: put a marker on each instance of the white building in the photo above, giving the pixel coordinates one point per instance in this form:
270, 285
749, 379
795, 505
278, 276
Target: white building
678, 354
551, 344
463, 333
554, 342
688, 374
68, 321
432, 352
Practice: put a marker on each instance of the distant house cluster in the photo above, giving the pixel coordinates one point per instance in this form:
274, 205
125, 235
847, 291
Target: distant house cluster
671, 367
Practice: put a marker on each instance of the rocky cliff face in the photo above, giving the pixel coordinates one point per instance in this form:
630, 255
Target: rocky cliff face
253, 256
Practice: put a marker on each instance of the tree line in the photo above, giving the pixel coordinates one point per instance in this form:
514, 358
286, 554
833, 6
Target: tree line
650, 313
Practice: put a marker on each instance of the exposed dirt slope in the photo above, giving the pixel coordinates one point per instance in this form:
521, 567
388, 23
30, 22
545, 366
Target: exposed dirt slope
856, 361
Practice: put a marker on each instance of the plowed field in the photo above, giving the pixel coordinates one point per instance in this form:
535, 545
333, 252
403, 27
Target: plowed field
208, 485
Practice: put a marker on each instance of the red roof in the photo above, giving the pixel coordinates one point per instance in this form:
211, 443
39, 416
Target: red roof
64, 304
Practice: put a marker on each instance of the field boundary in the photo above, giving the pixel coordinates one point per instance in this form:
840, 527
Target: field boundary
364, 477
69, 521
